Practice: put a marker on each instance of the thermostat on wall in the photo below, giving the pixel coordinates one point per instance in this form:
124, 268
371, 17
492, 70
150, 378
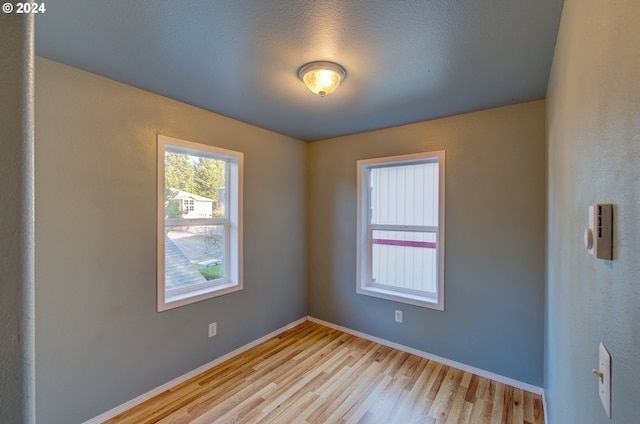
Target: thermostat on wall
598, 238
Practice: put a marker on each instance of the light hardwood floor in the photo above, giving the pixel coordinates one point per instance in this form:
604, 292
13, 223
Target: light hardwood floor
315, 374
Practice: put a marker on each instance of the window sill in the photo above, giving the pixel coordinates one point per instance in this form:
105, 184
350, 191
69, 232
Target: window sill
410, 299
170, 302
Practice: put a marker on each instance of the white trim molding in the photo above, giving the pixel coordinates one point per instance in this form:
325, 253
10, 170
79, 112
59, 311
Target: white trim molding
420, 222
191, 286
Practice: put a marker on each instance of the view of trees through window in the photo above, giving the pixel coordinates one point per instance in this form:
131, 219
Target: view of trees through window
199, 231
195, 189
201, 176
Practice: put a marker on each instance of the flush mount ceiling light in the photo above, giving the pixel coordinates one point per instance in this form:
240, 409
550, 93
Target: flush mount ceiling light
322, 77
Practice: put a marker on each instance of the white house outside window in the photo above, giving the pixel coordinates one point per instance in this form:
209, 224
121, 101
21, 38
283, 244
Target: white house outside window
199, 239
401, 228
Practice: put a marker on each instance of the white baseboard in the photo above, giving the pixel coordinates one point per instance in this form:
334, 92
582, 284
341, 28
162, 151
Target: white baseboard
154, 392
168, 385
482, 373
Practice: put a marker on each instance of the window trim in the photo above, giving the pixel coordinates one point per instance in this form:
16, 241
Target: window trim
364, 285
233, 280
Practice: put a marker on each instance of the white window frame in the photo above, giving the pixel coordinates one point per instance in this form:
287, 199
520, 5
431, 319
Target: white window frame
365, 285
232, 280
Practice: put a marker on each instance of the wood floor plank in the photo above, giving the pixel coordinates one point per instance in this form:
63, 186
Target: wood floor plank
518, 406
457, 405
314, 374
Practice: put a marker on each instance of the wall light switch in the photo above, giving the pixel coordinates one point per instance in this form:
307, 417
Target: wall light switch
604, 376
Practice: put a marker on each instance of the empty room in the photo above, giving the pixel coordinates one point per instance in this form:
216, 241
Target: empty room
320, 211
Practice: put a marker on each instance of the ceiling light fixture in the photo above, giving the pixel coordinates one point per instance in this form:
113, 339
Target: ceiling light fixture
322, 78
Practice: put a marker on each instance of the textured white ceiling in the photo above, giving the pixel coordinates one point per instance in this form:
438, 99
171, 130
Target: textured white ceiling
406, 61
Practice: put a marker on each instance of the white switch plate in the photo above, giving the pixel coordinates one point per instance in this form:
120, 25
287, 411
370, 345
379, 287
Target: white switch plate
213, 329
604, 388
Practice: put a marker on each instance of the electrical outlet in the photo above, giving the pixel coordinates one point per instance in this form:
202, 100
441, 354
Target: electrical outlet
213, 329
398, 316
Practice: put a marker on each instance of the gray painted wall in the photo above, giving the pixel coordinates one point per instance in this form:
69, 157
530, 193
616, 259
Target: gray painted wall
100, 340
495, 209
17, 380
593, 127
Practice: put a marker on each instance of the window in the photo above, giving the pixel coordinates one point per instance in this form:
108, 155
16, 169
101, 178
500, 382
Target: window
199, 240
401, 229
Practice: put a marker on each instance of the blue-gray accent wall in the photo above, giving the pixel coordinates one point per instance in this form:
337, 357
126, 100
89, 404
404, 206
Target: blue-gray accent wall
593, 132
495, 234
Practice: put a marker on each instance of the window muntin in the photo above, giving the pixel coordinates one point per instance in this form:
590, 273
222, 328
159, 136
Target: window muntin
199, 222
401, 228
